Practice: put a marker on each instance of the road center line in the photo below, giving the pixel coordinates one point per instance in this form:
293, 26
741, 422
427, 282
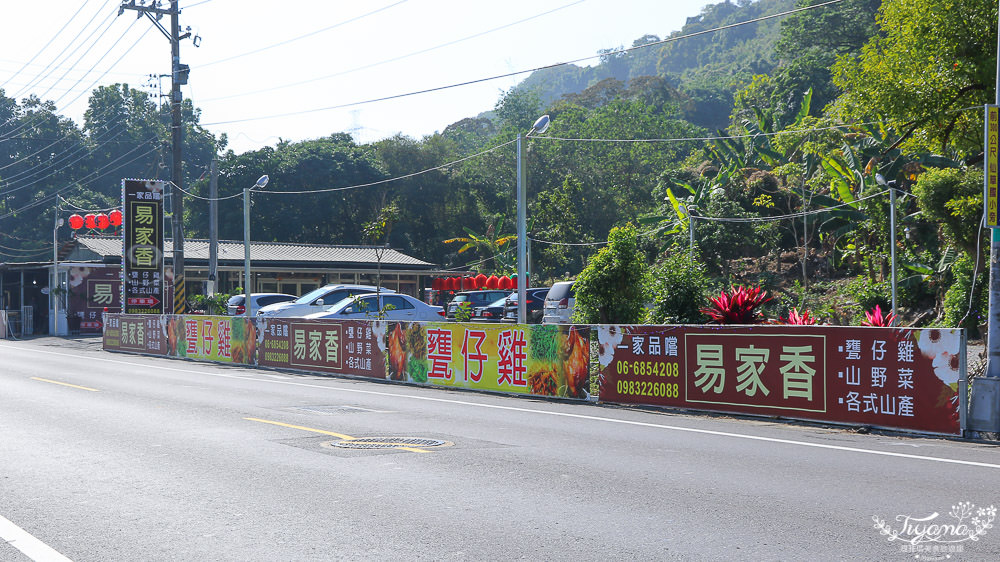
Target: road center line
64, 384
339, 435
548, 413
28, 544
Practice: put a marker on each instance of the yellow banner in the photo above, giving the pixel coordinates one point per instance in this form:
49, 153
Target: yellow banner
542, 360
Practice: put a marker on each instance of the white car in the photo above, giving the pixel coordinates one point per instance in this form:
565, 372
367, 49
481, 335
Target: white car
395, 307
559, 303
236, 305
317, 300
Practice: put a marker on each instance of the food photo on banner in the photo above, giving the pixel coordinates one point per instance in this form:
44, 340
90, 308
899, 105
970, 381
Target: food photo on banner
225, 339
542, 360
881, 377
350, 347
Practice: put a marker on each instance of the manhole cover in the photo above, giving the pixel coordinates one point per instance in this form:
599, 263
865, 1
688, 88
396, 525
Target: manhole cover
388, 443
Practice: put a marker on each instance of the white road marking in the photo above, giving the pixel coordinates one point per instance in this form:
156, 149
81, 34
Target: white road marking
29, 545
548, 413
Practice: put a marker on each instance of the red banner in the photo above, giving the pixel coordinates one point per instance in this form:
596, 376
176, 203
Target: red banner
345, 347
884, 377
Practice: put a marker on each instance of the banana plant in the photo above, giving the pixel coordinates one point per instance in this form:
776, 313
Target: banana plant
489, 245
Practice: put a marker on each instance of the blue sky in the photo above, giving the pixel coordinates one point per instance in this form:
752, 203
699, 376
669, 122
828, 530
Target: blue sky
260, 58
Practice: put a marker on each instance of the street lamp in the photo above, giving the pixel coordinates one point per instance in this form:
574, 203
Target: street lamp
892, 233
261, 182
540, 126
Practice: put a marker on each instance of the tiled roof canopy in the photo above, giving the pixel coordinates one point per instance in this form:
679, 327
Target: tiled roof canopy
108, 248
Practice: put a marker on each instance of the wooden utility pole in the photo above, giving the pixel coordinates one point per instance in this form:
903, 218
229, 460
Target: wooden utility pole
179, 76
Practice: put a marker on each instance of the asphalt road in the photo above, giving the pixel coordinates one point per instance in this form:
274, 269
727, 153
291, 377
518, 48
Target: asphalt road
121, 457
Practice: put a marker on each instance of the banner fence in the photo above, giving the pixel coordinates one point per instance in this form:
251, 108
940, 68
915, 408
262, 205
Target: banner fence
894, 378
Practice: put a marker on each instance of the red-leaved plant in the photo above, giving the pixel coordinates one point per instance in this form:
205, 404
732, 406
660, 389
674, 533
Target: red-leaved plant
875, 318
798, 319
741, 305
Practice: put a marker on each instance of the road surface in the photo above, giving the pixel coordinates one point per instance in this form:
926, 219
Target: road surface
121, 457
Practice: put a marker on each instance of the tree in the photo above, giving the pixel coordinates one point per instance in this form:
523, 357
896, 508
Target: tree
614, 286
680, 285
932, 59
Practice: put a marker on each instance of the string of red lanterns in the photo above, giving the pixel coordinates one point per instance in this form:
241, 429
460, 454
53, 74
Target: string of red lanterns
99, 221
480, 281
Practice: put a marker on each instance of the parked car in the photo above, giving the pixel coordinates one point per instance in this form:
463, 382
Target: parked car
236, 305
366, 306
558, 307
474, 299
316, 300
535, 301
492, 312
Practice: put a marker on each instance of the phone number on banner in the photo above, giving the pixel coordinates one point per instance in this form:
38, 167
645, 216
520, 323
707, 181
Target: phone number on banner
647, 368
647, 388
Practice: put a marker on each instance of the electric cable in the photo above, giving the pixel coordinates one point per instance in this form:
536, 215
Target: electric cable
519, 72
394, 59
310, 34
47, 44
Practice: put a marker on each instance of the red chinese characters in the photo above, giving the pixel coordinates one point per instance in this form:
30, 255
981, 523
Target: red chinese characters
474, 354
439, 353
511, 368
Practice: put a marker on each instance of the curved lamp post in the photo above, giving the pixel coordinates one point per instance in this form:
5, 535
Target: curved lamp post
540, 126
261, 183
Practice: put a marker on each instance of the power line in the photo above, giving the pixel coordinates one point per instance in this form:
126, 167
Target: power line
310, 34
519, 72
47, 44
394, 59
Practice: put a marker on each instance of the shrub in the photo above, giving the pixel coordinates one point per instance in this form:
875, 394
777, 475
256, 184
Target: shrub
876, 318
956, 300
869, 294
614, 286
796, 318
679, 287
741, 305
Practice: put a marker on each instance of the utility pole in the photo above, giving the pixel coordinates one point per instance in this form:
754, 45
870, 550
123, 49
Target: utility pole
213, 229
179, 75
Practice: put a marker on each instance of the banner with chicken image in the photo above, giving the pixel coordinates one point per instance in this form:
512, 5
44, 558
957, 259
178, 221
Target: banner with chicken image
541, 360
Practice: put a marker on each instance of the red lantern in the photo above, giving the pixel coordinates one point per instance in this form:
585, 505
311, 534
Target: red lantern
436, 284
492, 282
506, 283
481, 281
453, 283
90, 220
102, 221
115, 217
75, 222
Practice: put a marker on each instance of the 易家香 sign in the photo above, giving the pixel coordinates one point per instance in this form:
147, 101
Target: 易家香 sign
142, 258
881, 377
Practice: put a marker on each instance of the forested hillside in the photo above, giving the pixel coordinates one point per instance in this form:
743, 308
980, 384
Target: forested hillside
772, 136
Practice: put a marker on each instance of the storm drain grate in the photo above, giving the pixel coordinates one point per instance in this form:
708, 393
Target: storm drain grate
388, 443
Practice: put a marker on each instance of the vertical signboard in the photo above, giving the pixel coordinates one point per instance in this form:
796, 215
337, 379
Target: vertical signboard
142, 262
991, 134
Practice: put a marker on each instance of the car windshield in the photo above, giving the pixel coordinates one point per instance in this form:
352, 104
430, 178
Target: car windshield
460, 298
498, 302
311, 295
236, 300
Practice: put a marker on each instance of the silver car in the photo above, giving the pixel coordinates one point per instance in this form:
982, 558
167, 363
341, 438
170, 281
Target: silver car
394, 307
317, 300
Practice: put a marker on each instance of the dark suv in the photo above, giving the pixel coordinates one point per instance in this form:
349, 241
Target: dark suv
534, 303
473, 300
